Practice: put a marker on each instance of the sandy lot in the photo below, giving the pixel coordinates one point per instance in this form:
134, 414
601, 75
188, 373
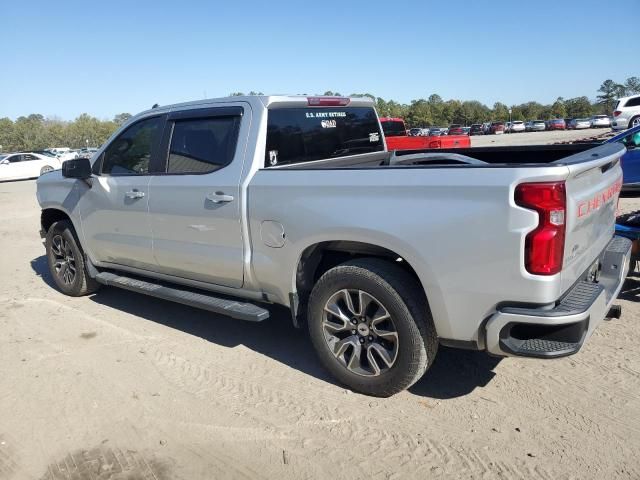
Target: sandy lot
122, 386
536, 138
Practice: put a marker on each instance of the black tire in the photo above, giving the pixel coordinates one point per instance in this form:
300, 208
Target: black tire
63, 249
630, 125
405, 302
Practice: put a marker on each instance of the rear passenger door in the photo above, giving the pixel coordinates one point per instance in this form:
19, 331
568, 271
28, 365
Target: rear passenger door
195, 204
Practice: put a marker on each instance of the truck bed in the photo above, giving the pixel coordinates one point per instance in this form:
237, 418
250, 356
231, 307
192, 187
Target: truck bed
525, 155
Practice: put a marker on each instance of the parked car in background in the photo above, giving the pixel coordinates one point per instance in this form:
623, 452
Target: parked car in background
580, 123
626, 113
455, 129
567, 122
437, 131
536, 126
397, 138
476, 129
630, 160
414, 132
557, 124
20, 166
496, 128
466, 130
600, 121
516, 126
486, 128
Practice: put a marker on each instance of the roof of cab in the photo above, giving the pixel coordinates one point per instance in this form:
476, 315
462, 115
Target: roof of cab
257, 101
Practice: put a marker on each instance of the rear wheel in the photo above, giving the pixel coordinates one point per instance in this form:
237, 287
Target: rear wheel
66, 261
371, 328
634, 122
46, 169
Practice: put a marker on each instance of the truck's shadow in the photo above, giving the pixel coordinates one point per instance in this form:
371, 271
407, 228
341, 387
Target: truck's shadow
454, 373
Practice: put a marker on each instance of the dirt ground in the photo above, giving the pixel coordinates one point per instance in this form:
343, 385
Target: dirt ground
121, 386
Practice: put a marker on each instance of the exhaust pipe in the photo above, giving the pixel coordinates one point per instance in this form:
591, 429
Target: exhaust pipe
615, 312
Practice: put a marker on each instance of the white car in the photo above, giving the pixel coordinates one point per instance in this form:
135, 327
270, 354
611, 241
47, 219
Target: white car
18, 166
599, 121
517, 126
627, 113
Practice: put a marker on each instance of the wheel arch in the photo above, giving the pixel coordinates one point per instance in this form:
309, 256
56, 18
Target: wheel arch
320, 257
49, 216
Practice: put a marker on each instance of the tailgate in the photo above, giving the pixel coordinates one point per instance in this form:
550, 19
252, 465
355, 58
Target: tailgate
592, 189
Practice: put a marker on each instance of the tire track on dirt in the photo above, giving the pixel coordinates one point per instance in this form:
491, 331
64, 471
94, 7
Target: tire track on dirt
410, 450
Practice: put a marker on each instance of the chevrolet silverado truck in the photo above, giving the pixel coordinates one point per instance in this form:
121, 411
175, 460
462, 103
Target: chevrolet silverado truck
396, 137
235, 204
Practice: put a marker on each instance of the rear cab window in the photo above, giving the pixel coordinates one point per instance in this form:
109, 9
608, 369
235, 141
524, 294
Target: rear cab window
305, 134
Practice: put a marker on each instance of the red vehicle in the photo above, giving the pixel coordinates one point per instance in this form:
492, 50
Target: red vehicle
395, 133
557, 124
455, 129
496, 128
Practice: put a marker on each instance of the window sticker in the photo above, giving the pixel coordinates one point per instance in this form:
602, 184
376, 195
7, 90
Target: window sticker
325, 114
374, 137
273, 157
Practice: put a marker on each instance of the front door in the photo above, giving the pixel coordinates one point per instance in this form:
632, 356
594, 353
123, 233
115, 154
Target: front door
194, 206
114, 211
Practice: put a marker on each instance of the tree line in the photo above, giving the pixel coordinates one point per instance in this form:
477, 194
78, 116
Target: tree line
35, 132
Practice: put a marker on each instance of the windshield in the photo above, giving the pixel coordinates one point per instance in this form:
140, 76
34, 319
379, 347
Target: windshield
305, 134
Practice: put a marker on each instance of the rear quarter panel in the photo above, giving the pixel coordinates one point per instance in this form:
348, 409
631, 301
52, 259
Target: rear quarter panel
457, 227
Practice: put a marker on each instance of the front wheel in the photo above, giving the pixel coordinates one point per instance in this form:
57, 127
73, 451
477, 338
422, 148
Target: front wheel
66, 261
371, 328
46, 169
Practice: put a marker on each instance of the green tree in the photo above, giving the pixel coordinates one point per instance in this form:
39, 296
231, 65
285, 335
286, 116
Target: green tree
6, 135
609, 93
578, 107
632, 86
120, 118
500, 112
558, 109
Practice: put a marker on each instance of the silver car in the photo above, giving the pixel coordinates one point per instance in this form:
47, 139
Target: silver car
600, 121
535, 126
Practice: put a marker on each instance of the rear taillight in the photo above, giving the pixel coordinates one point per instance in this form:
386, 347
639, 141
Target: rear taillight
328, 101
616, 113
544, 247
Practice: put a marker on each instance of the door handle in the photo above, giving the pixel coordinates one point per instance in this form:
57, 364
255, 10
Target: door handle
134, 194
219, 197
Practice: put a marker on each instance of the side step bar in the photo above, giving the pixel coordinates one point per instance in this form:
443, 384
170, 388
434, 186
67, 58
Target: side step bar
231, 308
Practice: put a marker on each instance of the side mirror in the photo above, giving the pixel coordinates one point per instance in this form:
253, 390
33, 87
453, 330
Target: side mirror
4, 162
77, 168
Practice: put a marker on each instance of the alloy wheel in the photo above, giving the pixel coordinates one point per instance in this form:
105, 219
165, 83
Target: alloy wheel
360, 332
64, 261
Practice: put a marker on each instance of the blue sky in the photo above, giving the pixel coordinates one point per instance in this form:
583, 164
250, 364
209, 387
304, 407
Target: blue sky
68, 57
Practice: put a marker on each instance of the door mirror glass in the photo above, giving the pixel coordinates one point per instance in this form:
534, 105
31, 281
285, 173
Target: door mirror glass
77, 168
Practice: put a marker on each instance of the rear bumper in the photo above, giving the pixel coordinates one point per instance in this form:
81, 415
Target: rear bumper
561, 330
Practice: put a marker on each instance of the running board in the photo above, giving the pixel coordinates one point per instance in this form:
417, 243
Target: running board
231, 308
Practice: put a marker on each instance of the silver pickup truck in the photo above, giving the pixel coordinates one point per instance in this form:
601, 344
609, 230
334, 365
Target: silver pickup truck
234, 204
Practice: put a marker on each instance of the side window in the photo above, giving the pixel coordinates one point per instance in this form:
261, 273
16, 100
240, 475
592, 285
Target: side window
130, 152
202, 145
633, 102
15, 159
29, 157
